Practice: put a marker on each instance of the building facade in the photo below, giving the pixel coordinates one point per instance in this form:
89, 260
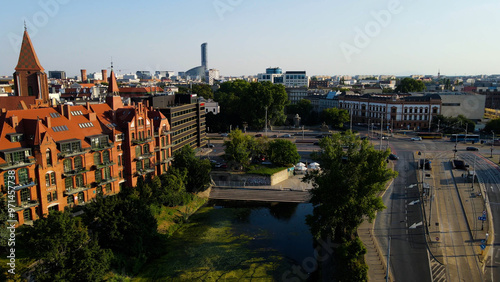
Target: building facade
392, 111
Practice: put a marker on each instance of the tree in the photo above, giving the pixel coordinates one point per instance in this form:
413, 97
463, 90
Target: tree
492, 125
346, 188
335, 117
197, 170
303, 108
283, 152
237, 148
65, 251
350, 261
126, 226
408, 85
203, 90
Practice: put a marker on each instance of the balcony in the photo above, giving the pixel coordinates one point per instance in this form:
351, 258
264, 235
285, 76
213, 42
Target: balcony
168, 146
18, 164
75, 172
63, 155
31, 182
76, 190
104, 164
102, 147
106, 181
167, 160
144, 171
26, 204
157, 149
141, 141
165, 133
144, 156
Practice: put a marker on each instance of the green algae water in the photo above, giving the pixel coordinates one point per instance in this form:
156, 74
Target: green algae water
235, 240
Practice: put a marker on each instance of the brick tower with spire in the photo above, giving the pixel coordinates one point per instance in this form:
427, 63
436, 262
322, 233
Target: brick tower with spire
30, 78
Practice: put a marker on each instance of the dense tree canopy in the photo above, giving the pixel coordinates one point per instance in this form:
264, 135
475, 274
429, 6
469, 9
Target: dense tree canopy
335, 117
408, 84
347, 186
238, 148
452, 125
242, 101
304, 109
493, 125
65, 250
283, 152
198, 171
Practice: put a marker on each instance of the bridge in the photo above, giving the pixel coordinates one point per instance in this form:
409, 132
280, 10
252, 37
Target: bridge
261, 194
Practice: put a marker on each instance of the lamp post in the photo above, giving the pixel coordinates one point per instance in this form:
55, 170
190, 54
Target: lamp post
492, 141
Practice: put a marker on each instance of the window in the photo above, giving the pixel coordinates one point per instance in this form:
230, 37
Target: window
99, 142
25, 195
47, 180
105, 156
6, 180
97, 158
138, 165
54, 196
68, 183
146, 149
53, 178
120, 174
78, 162
98, 175
22, 176
49, 197
108, 187
146, 164
71, 200
27, 214
17, 157
133, 135
137, 151
120, 160
67, 165
48, 157
107, 173
79, 181
81, 197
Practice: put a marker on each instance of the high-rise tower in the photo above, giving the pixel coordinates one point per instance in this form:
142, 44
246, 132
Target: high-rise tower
30, 78
204, 55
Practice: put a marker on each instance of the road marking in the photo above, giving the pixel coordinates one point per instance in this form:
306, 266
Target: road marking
415, 225
411, 186
414, 202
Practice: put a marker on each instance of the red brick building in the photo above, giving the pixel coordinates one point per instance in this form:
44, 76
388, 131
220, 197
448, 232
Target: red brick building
67, 155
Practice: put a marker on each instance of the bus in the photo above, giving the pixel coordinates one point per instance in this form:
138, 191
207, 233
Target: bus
464, 137
430, 135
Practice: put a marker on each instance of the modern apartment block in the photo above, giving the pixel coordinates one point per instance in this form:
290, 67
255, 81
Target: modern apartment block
288, 79
53, 158
186, 116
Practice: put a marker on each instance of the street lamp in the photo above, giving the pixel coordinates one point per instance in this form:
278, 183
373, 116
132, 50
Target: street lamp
492, 141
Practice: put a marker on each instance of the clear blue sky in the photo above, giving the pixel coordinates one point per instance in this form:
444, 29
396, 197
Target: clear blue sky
245, 36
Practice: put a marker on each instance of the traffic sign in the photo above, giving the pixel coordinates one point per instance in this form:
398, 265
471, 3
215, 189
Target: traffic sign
484, 212
483, 218
483, 247
483, 241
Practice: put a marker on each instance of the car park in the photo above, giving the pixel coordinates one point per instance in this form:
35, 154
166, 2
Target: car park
472, 149
416, 138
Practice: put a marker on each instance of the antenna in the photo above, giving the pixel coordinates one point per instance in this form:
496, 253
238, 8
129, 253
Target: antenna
111, 63
25, 29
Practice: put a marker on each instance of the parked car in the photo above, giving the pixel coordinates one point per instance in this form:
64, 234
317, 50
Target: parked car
316, 143
383, 137
416, 138
320, 136
258, 135
274, 136
472, 149
286, 136
224, 135
393, 157
210, 145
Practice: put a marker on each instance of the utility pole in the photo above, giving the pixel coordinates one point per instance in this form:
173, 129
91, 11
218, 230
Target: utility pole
492, 141
266, 123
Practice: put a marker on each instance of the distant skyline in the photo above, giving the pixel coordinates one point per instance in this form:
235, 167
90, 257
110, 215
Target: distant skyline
245, 37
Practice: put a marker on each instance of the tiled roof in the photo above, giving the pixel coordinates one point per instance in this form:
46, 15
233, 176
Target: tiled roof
28, 61
13, 102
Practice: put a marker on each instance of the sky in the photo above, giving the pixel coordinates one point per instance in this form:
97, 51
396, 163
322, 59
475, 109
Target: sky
322, 37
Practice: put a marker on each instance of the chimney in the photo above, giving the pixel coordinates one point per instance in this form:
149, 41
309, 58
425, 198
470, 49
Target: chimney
92, 116
87, 105
104, 75
67, 111
48, 122
84, 75
15, 121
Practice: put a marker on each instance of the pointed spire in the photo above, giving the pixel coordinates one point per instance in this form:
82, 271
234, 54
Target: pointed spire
39, 130
112, 84
28, 60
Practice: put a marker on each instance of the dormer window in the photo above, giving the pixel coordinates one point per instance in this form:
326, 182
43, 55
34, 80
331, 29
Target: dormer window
16, 137
99, 141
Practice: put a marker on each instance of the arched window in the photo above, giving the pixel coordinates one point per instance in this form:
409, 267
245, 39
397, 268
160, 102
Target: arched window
97, 158
22, 175
78, 162
67, 165
137, 151
105, 156
98, 175
25, 195
68, 183
47, 179
48, 157
79, 181
53, 178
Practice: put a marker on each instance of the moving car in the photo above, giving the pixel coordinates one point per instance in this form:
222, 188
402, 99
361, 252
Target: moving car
472, 149
416, 138
393, 157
